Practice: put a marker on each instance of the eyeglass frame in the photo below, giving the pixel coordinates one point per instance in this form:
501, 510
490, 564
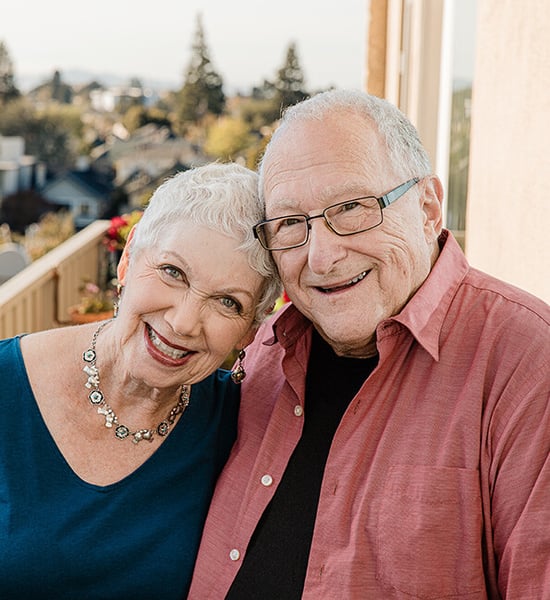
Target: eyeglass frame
383, 202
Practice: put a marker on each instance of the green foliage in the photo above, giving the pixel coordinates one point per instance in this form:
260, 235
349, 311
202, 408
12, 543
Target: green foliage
289, 84
48, 233
8, 89
202, 91
259, 112
51, 134
268, 100
138, 116
228, 137
255, 151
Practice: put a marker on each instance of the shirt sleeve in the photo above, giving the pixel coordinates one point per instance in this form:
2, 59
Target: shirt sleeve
520, 482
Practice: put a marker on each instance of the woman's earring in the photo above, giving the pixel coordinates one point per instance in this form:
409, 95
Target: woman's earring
237, 372
116, 303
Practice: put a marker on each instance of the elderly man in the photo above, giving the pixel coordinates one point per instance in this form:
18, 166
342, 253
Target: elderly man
395, 420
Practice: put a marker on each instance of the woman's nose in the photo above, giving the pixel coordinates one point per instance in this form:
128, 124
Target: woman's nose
184, 316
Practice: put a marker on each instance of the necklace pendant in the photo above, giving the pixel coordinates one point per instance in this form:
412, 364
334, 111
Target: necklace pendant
163, 428
89, 355
122, 432
95, 397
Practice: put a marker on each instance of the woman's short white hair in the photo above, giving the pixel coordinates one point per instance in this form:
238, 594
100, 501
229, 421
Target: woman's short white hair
221, 196
405, 150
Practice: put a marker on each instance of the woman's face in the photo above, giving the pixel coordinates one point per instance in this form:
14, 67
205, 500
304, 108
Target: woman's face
188, 301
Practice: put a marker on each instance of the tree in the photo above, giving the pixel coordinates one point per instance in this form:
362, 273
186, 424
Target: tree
8, 89
138, 116
227, 138
51, 135
290, 80
202, 91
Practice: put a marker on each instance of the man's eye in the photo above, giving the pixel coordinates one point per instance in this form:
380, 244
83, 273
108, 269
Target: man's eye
289, 222
349, 206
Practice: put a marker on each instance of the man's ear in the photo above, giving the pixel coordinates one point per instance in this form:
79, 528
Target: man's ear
122, 266
431, 205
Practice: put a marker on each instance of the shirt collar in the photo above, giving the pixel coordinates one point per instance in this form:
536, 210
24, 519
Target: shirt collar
425, 312
423, 315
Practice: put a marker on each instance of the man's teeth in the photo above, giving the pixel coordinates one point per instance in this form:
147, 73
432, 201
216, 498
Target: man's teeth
358, 278
164, 348
350, 282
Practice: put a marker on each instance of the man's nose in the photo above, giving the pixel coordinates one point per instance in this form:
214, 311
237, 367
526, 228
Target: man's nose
324, 247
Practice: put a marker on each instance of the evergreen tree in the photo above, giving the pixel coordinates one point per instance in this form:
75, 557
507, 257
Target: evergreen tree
8, 89
202, 91
289, 83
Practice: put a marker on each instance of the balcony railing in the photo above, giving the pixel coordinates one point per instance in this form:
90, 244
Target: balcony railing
40, 295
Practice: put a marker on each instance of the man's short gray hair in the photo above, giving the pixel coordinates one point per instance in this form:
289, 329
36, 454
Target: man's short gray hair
405, 150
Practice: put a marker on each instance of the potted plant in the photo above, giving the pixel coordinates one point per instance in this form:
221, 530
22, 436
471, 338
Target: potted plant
95, 304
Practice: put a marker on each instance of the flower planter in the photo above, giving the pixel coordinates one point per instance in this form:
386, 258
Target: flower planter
79, 318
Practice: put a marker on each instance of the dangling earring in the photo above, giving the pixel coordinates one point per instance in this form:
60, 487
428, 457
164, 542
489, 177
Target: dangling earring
116, 303
237, 372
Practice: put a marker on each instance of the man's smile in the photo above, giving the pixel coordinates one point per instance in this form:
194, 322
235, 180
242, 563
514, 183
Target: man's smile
348, 284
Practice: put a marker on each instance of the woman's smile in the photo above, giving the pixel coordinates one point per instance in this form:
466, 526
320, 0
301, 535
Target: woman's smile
161, 349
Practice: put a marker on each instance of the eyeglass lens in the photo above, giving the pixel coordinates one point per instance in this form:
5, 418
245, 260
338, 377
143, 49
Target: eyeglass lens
344, 218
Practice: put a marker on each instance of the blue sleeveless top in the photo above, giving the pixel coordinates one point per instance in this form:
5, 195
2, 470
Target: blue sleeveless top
63, 538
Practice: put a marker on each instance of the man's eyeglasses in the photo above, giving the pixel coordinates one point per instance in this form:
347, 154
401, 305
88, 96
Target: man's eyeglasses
345, 218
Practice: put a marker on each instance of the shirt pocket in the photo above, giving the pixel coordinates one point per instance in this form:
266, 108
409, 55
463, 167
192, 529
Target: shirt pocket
429, 533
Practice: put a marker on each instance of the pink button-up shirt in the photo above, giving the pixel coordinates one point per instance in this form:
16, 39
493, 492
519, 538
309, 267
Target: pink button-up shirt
437, 484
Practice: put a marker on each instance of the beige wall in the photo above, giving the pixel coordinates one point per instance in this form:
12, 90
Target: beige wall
508, 219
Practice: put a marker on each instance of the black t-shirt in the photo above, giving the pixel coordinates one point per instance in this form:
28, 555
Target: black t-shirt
275, 563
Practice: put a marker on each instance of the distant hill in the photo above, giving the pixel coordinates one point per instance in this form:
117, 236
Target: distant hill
77, 78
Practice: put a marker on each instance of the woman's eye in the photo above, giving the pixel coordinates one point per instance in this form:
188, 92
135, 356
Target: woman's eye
171, 271
231, 303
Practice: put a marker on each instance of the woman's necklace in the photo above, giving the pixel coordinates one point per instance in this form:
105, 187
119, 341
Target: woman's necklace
97, 399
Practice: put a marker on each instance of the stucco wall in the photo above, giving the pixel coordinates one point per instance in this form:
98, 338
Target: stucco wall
508, 218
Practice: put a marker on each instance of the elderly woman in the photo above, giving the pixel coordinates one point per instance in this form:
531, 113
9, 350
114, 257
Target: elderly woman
113, 435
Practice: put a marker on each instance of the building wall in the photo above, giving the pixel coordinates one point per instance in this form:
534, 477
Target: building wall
11, 147
508, 217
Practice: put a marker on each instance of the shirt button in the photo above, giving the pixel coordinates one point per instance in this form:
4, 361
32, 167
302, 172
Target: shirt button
267, 480
298, 410
234, 554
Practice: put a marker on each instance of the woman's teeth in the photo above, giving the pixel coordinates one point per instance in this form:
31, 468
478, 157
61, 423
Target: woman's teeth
164, 348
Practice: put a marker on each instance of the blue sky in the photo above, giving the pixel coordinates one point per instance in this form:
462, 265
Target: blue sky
247, 38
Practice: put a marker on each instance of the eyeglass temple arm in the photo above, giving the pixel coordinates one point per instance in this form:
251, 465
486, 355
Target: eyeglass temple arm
396, 193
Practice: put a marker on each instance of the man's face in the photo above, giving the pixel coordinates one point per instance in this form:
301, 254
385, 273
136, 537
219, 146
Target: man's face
347, 285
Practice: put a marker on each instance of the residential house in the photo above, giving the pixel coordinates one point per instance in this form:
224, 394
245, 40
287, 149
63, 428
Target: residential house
144, 159
18, 171
83, 191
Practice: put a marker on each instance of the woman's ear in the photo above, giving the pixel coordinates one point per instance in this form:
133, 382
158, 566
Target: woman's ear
122, 266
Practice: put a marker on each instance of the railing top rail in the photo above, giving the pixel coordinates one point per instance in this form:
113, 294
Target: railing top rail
41, 268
